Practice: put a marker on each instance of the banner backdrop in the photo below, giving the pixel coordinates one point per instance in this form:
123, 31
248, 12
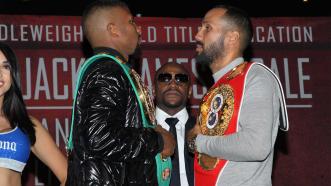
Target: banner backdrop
298, 50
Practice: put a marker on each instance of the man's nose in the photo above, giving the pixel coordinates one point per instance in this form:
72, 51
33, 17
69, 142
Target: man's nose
173, 83
198, 35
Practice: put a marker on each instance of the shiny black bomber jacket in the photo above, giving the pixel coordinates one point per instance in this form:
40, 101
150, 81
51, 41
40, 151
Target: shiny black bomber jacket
111, 146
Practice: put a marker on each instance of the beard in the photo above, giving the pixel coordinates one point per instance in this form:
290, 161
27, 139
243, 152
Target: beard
212, 52
202, 58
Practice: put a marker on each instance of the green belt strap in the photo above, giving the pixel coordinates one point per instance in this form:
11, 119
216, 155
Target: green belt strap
161, 164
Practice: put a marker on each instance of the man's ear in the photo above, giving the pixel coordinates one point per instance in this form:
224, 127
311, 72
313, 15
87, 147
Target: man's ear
233, 37
112, 29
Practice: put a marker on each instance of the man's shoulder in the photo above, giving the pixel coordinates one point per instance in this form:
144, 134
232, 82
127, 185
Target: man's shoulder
260, 71
260, 68
262, 78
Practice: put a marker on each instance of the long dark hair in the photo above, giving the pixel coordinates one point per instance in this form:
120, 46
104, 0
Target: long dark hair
14, 108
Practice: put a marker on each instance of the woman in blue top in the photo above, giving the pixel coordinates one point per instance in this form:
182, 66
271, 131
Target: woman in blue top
20, 133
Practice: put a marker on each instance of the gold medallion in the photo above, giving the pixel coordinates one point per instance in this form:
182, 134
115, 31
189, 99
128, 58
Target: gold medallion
216, 111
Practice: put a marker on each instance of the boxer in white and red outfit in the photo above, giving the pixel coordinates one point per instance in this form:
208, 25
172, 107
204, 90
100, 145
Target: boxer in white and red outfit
240, 115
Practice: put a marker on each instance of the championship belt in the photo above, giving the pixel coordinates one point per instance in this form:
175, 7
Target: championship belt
146, 106
218, 116
215, 113
145, 98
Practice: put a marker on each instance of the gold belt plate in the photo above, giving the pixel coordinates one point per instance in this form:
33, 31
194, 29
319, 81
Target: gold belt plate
216, 111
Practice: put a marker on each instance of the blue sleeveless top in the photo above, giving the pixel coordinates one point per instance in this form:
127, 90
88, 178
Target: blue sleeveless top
14, 149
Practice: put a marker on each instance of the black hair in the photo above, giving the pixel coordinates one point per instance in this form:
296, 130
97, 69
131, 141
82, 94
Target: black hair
239, 19
97, 5
13, 107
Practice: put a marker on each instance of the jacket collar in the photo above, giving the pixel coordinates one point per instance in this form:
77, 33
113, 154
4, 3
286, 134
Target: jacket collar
106, 50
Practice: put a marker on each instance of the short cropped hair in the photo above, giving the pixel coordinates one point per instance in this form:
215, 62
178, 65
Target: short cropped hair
240, 20
98, 5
